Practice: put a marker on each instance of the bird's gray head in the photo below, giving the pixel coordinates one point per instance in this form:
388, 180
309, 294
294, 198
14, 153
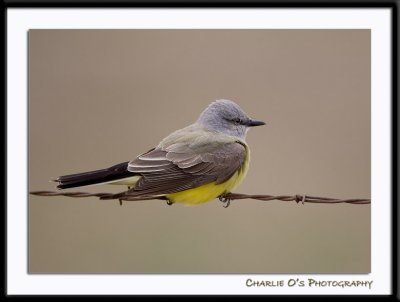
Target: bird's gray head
228, 118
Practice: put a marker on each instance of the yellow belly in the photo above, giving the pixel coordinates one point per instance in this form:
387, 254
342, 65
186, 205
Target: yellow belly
210, 191
203, 193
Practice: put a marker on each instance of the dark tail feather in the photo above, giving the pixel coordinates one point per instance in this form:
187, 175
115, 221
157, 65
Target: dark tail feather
94, 177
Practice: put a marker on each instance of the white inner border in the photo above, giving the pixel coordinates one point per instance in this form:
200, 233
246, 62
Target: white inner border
21, 20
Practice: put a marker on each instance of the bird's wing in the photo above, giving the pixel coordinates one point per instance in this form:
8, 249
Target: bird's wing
181, 166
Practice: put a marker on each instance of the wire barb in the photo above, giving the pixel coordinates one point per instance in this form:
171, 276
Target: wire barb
229, 196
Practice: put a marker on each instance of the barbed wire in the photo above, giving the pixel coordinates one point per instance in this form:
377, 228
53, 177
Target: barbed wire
226, 199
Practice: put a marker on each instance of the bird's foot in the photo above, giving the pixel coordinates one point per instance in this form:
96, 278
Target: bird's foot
226, 201
120, 202
169, 202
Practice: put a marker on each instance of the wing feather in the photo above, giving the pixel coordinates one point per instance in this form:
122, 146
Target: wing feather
183, 166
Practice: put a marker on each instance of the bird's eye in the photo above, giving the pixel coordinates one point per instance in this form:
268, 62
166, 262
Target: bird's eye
237, 121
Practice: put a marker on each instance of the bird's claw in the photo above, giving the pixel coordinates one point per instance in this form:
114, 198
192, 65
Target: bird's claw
225, 200
169, 202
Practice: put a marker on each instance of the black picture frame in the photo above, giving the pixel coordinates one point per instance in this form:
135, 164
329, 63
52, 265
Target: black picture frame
60, 4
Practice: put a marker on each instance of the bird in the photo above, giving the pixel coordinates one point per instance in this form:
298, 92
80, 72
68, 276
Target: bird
192, 165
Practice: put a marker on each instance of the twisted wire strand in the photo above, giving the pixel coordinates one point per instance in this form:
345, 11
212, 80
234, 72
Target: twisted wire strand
230, 196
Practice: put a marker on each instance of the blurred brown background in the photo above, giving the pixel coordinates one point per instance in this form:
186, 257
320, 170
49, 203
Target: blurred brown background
101, 97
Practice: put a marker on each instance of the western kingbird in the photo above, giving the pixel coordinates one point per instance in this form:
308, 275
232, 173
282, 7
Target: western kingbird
192, 165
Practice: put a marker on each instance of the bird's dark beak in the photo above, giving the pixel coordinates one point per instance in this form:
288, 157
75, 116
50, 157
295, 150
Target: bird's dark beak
253, 123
